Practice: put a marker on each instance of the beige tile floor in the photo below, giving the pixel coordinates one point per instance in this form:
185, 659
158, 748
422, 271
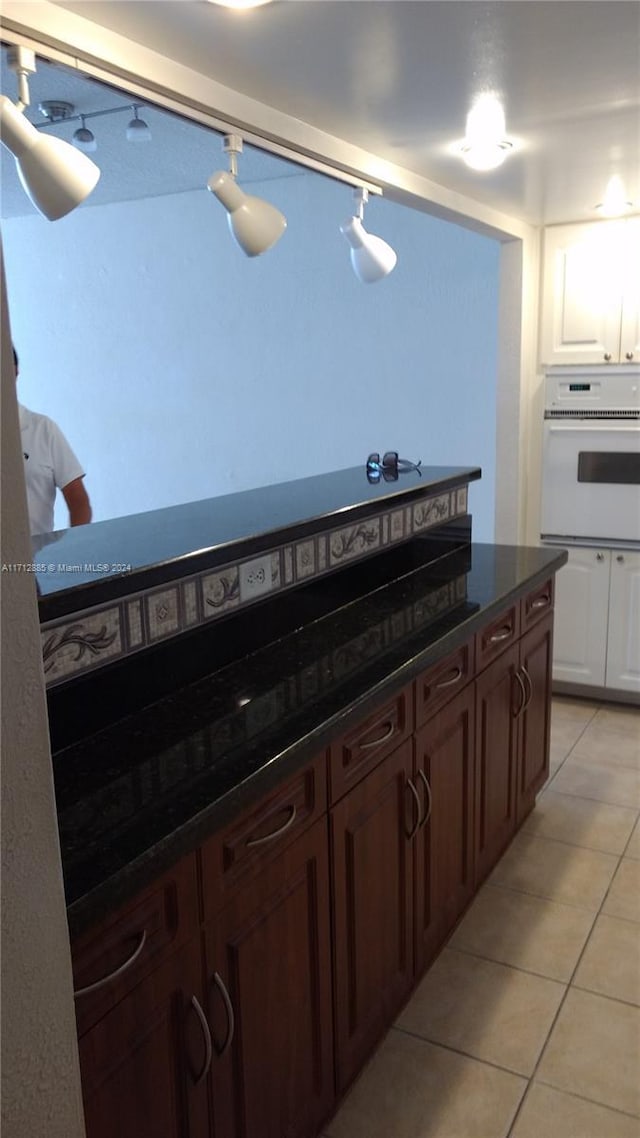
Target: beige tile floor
528, 1023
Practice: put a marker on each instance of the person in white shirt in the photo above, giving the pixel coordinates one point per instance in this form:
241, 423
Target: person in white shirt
50, 464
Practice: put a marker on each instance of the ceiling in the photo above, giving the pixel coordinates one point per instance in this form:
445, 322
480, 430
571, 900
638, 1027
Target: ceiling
398, 78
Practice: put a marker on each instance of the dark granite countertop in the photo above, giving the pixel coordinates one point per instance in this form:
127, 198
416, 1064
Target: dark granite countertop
134, 797
90, 565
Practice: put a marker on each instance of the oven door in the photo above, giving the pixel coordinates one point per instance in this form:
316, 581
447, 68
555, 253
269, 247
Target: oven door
591, 479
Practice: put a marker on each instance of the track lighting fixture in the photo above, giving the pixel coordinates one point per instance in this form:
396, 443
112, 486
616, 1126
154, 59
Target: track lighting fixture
55, 176
371, 257
255, 225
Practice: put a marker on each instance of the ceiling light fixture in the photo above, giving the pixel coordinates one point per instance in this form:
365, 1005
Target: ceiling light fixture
485, 146
615, 202
137, 130
240, 5
255, 225
84, 138
55, 176
371, 257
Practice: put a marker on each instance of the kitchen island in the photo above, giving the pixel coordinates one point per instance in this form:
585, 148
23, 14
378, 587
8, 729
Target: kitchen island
261, 860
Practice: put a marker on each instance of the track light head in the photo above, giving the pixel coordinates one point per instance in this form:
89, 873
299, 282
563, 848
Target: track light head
84, 138
137, 129
371, 257
55, 176
255, 225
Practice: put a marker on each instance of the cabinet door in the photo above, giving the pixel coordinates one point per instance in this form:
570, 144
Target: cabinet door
536, 649
630, 330
582, 293
269, 993
499, 698
581, 617
623, 647
144, 1064
372, 872
445, 858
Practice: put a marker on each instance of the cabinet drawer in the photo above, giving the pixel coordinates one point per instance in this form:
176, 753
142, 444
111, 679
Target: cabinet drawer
262, 832
498, 635
124, 948
537, 603
364, 745
442, 681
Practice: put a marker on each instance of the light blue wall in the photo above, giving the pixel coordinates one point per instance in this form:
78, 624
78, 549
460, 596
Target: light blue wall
180, 369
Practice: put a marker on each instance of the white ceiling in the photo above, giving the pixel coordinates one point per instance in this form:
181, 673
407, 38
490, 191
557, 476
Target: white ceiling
397, 78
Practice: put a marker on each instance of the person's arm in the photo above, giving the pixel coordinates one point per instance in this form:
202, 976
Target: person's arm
78, 502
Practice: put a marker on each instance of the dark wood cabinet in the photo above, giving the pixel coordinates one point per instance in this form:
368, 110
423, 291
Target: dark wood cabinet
536, 657
268, 968
444, 765
144, 1064
496, 750
372, 878
242, 992
513, 725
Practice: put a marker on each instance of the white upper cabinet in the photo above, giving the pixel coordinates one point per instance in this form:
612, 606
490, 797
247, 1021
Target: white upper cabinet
591, 293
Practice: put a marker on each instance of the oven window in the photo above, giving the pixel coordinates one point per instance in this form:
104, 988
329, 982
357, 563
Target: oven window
618, 467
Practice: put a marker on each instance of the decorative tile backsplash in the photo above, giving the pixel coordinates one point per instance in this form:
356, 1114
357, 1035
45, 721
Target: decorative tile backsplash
74, 645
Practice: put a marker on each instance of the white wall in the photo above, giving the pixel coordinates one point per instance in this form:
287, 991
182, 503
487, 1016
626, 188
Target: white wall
180, 369
40, 1073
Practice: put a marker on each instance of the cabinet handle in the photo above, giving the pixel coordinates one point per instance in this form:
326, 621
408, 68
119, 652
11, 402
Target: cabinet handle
541, 602
208, 1046
628, 355
607, 356
231, 1019
381, 738
117, 971
599, 556
275, 833
527, 677
503, 634
427, 814
523, 693
620, 559
414, 829
454, 679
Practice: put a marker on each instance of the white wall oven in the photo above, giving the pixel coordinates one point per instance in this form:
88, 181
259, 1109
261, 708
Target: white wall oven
591, 460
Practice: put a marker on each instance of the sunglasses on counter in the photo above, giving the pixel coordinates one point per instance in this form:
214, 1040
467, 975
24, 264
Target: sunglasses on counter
388, 466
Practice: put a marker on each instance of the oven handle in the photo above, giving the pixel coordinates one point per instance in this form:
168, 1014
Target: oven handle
611, 427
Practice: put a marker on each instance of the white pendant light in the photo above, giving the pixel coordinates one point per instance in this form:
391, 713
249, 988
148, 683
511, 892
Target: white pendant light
55, 175
371, 257
137, 130
255, 225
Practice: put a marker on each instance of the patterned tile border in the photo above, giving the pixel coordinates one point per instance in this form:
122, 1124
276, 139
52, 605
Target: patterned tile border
73, 646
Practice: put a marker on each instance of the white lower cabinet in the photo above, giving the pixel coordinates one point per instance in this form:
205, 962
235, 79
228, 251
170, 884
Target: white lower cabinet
597, 621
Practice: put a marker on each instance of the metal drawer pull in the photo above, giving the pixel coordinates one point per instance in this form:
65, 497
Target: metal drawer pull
414, 829
117, 971
275, 833
427, 815
523, 692
502, 635
527, 677
454, 679
231, 1019
208, 1045
381, 738
541, 602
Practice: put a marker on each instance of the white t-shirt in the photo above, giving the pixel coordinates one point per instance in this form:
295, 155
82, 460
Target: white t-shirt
49, 462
